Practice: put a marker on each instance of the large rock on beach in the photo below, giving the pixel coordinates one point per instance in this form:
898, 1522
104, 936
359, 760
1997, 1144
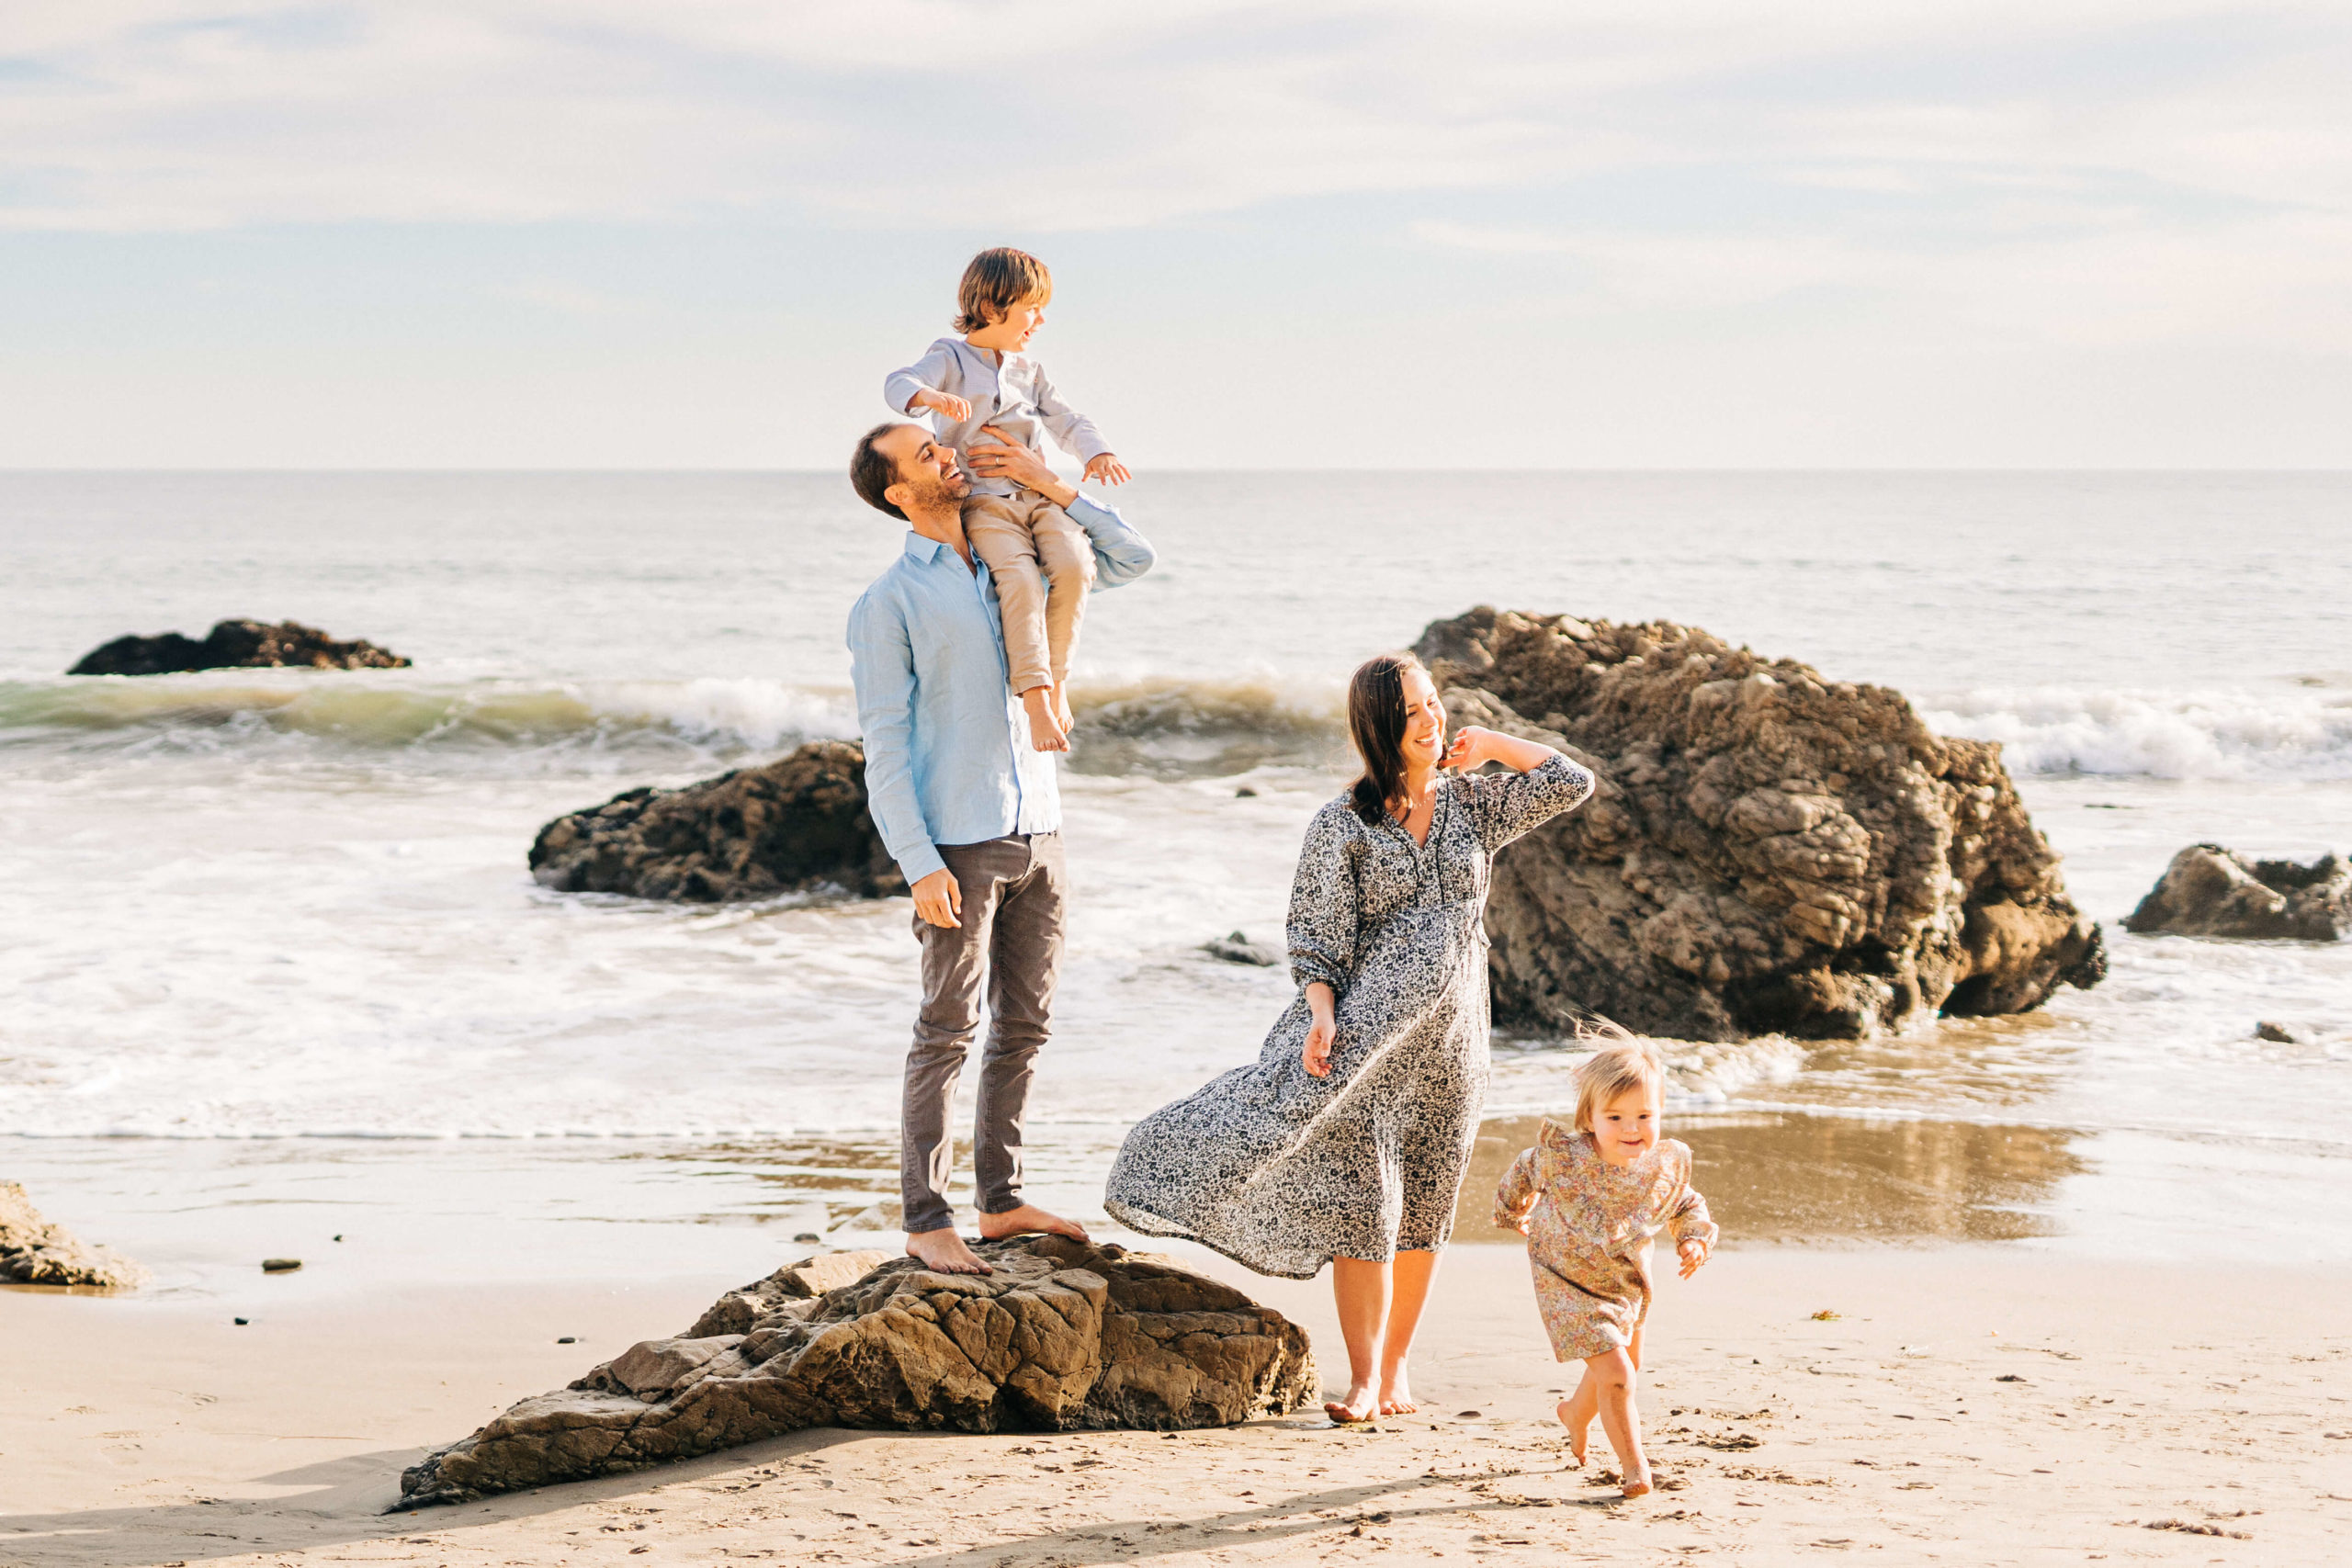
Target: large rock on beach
236, 645
1063, 1336
1768, 851
2210, 891
34, 1252
792, 826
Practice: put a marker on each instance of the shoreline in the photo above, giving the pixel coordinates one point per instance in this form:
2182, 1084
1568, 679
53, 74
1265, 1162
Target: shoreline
1985, 1403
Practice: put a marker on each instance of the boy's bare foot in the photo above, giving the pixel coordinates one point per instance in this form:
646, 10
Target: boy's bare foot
1565, 1411
1047, 732
943, 1252
1359, 1405
1061, 708
1026, 1219
1397, 1395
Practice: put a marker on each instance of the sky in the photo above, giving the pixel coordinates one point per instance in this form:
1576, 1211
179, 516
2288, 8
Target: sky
1326, 234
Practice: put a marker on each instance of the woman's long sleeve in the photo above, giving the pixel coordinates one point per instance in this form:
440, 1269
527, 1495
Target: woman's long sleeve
1515, 1198
1508, 804
1323, 899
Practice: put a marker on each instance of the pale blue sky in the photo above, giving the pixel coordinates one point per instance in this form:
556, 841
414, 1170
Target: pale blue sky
696, 233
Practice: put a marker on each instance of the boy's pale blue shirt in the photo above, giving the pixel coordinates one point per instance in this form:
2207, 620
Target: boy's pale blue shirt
947, 753
1013, 395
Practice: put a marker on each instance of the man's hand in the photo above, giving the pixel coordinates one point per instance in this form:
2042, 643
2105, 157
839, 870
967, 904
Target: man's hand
1107, 469
938, 899
1017, 465
954, 407
1694, 1254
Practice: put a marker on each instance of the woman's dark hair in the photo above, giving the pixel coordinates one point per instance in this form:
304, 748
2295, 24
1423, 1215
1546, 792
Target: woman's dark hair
1377, 725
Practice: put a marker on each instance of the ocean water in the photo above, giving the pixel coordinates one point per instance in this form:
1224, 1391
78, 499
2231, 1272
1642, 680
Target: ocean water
248, 905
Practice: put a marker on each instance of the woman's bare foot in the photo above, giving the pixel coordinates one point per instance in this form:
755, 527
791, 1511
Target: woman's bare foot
943, 1252
1359, 1405
1577, 1431
1397, 1395
1638, 1484
1026, 1219
1045, 730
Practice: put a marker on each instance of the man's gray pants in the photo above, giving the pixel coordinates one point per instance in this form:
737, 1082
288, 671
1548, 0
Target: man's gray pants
1009, 941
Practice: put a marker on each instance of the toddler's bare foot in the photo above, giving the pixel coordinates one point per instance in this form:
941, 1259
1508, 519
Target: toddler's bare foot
1061, 709
1047, 732
1565, 1411
1026, 1219
1397, 1395
1637, 1484
943, 1252
1359, 1405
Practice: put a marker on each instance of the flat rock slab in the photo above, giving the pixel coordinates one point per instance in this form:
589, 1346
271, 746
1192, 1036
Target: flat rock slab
2211, 891
1062, 1336
1766, 852
34, 1252
236, 645
794, 825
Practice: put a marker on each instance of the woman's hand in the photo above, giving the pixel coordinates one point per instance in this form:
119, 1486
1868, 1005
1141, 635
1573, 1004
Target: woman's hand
1694, 1254
1468, 749
1322, 1030
1000, 457
1474, 746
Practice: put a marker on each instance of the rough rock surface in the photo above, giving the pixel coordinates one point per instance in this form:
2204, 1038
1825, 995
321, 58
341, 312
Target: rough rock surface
34, 1252
2210, 891
236, 645
793, 825
1062, 1336
1768, 851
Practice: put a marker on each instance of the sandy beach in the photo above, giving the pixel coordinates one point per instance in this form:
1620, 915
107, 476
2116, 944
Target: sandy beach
1975, 1405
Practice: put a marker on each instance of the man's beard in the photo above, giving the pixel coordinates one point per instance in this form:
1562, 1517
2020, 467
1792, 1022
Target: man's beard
934, 494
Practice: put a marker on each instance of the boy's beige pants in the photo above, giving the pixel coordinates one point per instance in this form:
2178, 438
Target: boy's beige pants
1044, 567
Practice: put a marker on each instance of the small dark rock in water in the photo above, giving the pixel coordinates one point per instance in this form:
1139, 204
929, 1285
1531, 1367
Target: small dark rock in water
1063, 1336
34, 1252
568, 1340
238, 1321
2210, 891
236, 645
2281, 1033
1245, 793
806, 1238
338, 1238
280, 1264
792, 826
1239, 949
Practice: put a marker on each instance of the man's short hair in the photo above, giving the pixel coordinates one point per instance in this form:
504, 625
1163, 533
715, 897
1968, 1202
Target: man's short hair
871, 473
995, 282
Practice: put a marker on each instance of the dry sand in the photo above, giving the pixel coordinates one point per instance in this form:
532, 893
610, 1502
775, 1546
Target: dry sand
1968, 1405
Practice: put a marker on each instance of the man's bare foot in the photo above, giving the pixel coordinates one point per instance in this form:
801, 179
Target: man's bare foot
1565, 1411
1397, 1396
943, 1252
1062, 714
1359, 1405
1045, 730
1637, 1484
1026, 1219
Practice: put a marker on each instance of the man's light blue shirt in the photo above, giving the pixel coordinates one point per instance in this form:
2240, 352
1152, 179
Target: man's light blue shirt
947, 753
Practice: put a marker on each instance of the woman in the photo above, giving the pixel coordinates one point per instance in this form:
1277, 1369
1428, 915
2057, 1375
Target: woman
1347, 1140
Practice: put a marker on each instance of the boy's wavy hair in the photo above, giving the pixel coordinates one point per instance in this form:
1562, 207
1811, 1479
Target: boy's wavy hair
995, 282
1621, 1063
1377, 725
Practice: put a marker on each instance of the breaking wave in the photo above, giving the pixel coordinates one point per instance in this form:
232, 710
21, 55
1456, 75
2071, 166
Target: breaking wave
2305, 733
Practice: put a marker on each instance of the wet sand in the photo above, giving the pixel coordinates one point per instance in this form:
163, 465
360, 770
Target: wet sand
1972, 1403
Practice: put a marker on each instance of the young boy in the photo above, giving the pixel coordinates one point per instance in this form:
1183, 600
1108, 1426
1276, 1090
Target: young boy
1041, 561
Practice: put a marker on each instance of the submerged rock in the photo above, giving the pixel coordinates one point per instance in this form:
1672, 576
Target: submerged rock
1766, 852
2210, 891
1063, 1336
791, 826
34, 1252
1238, 949
236, 645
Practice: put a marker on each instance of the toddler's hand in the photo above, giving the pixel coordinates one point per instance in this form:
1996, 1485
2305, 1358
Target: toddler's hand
1695, 1253
1107, 469
954, 407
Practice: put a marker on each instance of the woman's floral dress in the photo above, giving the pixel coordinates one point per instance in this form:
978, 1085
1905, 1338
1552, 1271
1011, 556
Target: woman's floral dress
1282, 1171
1589, 1226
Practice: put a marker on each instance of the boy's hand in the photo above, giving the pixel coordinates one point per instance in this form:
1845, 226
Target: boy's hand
939, 900
1695, 1253
1106, 469
954, 407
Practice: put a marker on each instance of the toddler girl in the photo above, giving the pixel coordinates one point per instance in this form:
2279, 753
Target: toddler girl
1588, 1198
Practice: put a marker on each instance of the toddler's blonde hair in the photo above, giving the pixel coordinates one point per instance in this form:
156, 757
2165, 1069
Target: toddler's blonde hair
995, 282
1623, 1063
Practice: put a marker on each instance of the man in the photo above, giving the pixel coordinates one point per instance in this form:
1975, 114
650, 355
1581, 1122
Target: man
969, 805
